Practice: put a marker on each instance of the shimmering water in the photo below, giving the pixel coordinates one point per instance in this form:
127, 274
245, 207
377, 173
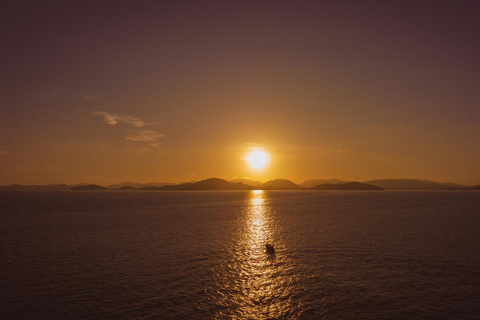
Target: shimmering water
201, 255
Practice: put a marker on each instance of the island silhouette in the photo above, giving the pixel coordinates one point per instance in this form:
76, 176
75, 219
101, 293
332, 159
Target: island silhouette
247, 184
346, 186
89, 187
221, 184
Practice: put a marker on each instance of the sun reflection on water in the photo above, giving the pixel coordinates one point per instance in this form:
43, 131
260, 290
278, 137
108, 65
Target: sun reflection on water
259, 284
258, 230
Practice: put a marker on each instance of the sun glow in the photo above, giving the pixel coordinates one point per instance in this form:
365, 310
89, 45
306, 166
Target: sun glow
258, 159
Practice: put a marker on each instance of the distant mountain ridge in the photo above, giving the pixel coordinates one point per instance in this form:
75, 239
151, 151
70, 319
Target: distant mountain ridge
208, 184
50, 187
89, 187
412, 184
464, 188
280, 184
247, 184
137, 185
126, 188
316, 182
346, 186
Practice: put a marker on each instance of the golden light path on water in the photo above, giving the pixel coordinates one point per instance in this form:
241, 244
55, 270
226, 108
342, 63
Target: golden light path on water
260, 285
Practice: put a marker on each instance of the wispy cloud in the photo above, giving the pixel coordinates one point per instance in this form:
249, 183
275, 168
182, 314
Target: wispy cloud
156, 145
138, 134
87, 97
114, 119
144, 135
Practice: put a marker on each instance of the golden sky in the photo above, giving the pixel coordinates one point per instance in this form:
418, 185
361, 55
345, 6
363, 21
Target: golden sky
179, 92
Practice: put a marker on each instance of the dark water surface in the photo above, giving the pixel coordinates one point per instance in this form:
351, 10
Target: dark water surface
201, 255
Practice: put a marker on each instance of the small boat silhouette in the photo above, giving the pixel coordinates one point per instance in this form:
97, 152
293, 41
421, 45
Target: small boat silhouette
269, 248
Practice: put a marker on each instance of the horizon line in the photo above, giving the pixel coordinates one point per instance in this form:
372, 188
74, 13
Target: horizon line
233, 179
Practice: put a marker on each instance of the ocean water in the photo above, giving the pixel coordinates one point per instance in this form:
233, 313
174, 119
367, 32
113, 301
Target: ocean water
201, 255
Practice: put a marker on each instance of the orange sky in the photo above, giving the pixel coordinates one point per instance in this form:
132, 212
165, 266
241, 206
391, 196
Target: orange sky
172, 93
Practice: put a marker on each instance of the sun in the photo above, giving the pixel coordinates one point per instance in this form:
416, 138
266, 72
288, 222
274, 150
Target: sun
258, 159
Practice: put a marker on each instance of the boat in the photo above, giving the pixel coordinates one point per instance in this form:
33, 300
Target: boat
269, 248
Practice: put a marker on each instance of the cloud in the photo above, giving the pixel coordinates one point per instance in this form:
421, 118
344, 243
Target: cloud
156, 145
136, 135
114, 119
144, 135
87, 97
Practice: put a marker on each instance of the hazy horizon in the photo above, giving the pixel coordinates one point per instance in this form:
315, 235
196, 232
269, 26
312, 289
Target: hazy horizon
230, 179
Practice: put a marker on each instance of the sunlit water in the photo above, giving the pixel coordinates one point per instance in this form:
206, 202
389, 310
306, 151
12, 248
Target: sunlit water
201, 255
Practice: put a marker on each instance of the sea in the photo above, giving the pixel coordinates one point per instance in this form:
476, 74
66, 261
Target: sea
201, 255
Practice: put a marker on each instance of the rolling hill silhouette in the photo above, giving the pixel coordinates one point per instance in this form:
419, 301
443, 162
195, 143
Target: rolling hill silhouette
316, 182
89, 187
137, 185
346, 186
50, 187
208, 184
411, 184
125, 188
280, 184
248, 182
464, 188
